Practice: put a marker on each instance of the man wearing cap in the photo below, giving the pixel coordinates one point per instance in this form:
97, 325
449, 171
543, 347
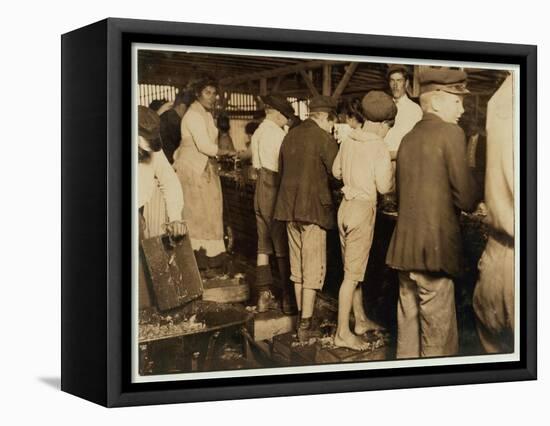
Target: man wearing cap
364, 164
408, 112
265, 146
305, 202
434, 184
153, 167
170, 124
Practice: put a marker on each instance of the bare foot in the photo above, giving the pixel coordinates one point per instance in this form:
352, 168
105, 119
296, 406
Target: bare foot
351, 341
361, 327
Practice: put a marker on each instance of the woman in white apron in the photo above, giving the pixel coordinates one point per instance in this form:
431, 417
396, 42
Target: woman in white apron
196, 166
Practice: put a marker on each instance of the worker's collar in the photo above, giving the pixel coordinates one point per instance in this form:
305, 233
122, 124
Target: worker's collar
402, 99
269, 122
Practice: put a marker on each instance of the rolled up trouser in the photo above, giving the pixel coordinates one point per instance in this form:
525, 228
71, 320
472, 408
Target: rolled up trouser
307, 245
356, 219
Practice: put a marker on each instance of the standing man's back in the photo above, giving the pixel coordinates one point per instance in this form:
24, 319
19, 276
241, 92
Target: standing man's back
434, 184
305, 203
307, 154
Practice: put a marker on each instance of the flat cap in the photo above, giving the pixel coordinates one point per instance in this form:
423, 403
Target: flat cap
445, 80
322, 104
397, 68
279, 103
148, 123
378, 106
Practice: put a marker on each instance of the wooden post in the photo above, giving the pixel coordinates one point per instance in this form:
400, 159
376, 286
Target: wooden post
263, 86
277, 83
327, 79
223, 98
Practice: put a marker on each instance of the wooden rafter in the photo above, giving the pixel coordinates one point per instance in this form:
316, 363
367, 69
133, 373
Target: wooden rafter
263, 86
309, 83
291, 69
350, 69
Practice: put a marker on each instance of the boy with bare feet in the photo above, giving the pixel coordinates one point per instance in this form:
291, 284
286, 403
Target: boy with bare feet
364, 164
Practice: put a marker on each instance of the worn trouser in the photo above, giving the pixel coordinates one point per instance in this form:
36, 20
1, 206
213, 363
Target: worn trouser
271, 233
307, 244
494, 297
426, 316
356, 220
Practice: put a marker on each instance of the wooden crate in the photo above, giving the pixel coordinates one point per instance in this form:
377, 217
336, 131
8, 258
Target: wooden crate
286, 348
269, 324
226, 290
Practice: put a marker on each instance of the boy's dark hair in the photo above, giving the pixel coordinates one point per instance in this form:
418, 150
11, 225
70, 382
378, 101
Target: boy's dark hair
183, 97
352, 108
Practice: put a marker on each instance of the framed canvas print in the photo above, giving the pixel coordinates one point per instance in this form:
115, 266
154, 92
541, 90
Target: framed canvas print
252, 212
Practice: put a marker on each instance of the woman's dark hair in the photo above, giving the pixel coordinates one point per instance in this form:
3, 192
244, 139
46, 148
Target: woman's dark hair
201, 83
251, 127
352, 108
223, 123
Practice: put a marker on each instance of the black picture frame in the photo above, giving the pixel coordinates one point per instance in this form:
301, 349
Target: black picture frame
96, 182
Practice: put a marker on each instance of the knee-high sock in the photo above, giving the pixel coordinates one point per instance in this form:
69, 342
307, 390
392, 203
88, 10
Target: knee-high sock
264, 279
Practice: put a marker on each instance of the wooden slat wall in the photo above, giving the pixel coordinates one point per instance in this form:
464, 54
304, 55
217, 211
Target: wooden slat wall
150, 92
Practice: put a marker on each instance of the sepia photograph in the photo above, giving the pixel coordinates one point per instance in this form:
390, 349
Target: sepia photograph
304, 212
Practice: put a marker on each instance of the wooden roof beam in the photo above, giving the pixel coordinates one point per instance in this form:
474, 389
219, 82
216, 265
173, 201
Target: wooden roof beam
276, 72
350, 69
309, 83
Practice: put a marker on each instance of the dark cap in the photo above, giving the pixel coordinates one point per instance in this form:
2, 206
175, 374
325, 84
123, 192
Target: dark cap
148, 123
392, 68
445, 80
322, 104
279, 103
378, 106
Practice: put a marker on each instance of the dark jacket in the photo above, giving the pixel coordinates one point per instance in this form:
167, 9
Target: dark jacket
434, 184
305, 164
170, 133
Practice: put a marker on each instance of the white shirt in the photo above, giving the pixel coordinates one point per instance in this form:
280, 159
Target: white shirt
363, 163
266, 144
166, 179
499, 179
408, 114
